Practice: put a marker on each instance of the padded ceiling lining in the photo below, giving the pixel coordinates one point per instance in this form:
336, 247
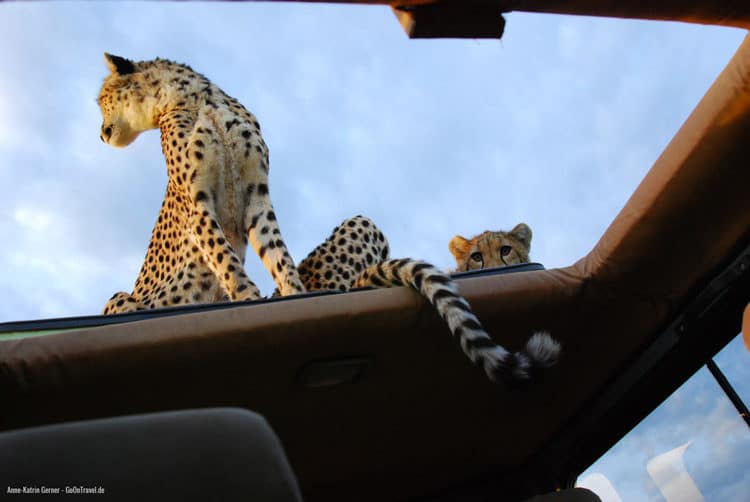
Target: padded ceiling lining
721, 12
682, 220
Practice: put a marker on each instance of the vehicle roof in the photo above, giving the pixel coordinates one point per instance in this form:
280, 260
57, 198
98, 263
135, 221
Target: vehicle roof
663, 288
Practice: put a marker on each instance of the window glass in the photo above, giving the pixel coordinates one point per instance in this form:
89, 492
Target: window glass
693, 447
734, 362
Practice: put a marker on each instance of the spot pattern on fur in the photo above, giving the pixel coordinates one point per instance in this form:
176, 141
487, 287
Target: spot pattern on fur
356, 255
217, 196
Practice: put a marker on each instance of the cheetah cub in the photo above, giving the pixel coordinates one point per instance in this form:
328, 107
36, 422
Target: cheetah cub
217, 194
356, 255
492, 249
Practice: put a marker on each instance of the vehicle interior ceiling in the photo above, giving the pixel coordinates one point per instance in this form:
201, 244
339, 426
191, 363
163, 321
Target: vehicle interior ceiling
403, 413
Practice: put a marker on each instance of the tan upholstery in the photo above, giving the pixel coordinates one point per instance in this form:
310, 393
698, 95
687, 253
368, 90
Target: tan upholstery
722, 12
421, 418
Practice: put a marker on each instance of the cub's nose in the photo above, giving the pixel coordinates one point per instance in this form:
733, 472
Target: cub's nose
106, 133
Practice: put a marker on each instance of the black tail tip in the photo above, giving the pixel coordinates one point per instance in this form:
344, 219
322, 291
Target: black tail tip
520, 369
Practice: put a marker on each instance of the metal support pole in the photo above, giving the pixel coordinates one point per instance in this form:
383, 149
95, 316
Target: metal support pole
729, 391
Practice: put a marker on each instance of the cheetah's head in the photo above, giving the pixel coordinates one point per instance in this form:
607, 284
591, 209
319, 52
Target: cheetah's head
492, 249
126, 109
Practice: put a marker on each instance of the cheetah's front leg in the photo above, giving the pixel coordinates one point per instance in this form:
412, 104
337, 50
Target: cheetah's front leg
218, 253
265, 237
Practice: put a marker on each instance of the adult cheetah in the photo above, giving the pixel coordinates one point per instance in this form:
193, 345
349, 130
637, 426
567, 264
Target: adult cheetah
356, 255
217, 194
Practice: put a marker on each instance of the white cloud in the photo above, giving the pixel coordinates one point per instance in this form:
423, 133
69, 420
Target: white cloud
35, 220
601, 485
6, 131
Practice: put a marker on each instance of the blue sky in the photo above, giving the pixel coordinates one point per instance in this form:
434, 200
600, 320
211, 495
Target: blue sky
698, 413
554, 125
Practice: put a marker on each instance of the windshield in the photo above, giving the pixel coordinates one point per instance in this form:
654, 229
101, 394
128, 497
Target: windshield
695, 446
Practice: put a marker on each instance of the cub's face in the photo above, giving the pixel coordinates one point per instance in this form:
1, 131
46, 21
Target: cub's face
124, 108
492, 249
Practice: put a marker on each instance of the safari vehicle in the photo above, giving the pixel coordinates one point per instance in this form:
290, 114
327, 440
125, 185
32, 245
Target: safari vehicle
367, 401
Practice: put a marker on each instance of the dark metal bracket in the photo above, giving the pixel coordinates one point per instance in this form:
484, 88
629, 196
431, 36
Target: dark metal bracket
468, 19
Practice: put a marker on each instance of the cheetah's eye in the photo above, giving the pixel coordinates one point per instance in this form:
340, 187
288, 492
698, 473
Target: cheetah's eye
476, 257
505, 250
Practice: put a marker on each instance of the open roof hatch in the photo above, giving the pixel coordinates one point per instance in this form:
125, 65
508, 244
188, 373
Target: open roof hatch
664, 288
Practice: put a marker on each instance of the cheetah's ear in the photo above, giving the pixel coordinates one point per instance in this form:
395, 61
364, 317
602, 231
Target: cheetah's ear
118, 65
459, 246
522, 232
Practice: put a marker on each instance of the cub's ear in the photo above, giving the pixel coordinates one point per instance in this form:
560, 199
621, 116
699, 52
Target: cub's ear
118, 65
522, 232
459, 246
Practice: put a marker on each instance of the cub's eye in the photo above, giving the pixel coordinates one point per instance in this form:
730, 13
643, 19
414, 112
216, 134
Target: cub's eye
505, 250
476, 257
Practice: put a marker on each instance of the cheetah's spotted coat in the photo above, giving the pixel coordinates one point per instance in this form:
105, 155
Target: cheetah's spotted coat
356, 255
217, 194
217, 197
